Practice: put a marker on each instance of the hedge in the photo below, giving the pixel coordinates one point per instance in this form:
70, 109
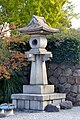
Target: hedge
65, 47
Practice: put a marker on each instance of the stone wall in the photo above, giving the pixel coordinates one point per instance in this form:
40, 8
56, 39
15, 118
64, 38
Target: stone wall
66, 79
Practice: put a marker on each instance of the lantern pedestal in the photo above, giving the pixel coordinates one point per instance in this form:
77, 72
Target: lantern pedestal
36, 101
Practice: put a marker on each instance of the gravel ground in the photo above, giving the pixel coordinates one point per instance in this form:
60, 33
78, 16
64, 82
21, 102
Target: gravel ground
70, 114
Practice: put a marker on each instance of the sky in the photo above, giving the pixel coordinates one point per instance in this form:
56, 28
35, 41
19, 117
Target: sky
76, 22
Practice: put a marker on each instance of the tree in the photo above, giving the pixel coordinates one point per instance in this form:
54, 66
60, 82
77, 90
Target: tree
19, 12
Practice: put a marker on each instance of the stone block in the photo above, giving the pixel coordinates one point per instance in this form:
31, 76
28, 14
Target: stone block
26, 104
20, 104
61, 88
40, 97
62, 100
38, 105
56, 102
53, 66
14, 102
76, 73
66, 105
62, 79
53, 80
78, 97
34, 105
78, 88
52, 108
68, 72
57, 72
62, 66
67, 85
74, 88
73, 94
57, 96
38, 89
37, 101
50, 72
78, 80
77, 103
71, 80
73, 99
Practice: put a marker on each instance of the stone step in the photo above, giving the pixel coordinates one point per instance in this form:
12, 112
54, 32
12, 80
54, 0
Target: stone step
36, 101
38, 89
40, 97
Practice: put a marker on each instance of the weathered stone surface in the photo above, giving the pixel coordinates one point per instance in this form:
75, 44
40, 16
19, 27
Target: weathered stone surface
21, 104
78, 97
57, 96
64, 87
78, 80
35, 89
63, 66
37, 101
40, 97
57, 72
73, 94
50, 72
61, 88
26, 104
62, 79
53, 80
66, 105
67, 85
78, 88
60, 84
67, 90
76, 72
53, 66
15, 103
56, 102
71, 80
51, 108
68, 72
77, 103
38, 105
73, 99
74, 88
37, 25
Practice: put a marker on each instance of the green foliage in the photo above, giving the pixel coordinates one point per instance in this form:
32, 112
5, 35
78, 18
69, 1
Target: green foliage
65, 47
19, 12
10, 86
11, 62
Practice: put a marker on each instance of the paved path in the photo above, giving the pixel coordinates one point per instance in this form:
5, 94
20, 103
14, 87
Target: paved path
71, 114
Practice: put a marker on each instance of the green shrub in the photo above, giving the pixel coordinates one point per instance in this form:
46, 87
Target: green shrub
65, 47
11, 62
10, 86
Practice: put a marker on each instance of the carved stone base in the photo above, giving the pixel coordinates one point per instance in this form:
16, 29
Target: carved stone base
38, 89
36, 101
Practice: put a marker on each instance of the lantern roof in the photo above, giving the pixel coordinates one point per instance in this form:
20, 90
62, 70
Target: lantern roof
38, 25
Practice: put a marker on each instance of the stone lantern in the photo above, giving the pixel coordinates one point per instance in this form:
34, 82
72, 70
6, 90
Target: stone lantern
38, 94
